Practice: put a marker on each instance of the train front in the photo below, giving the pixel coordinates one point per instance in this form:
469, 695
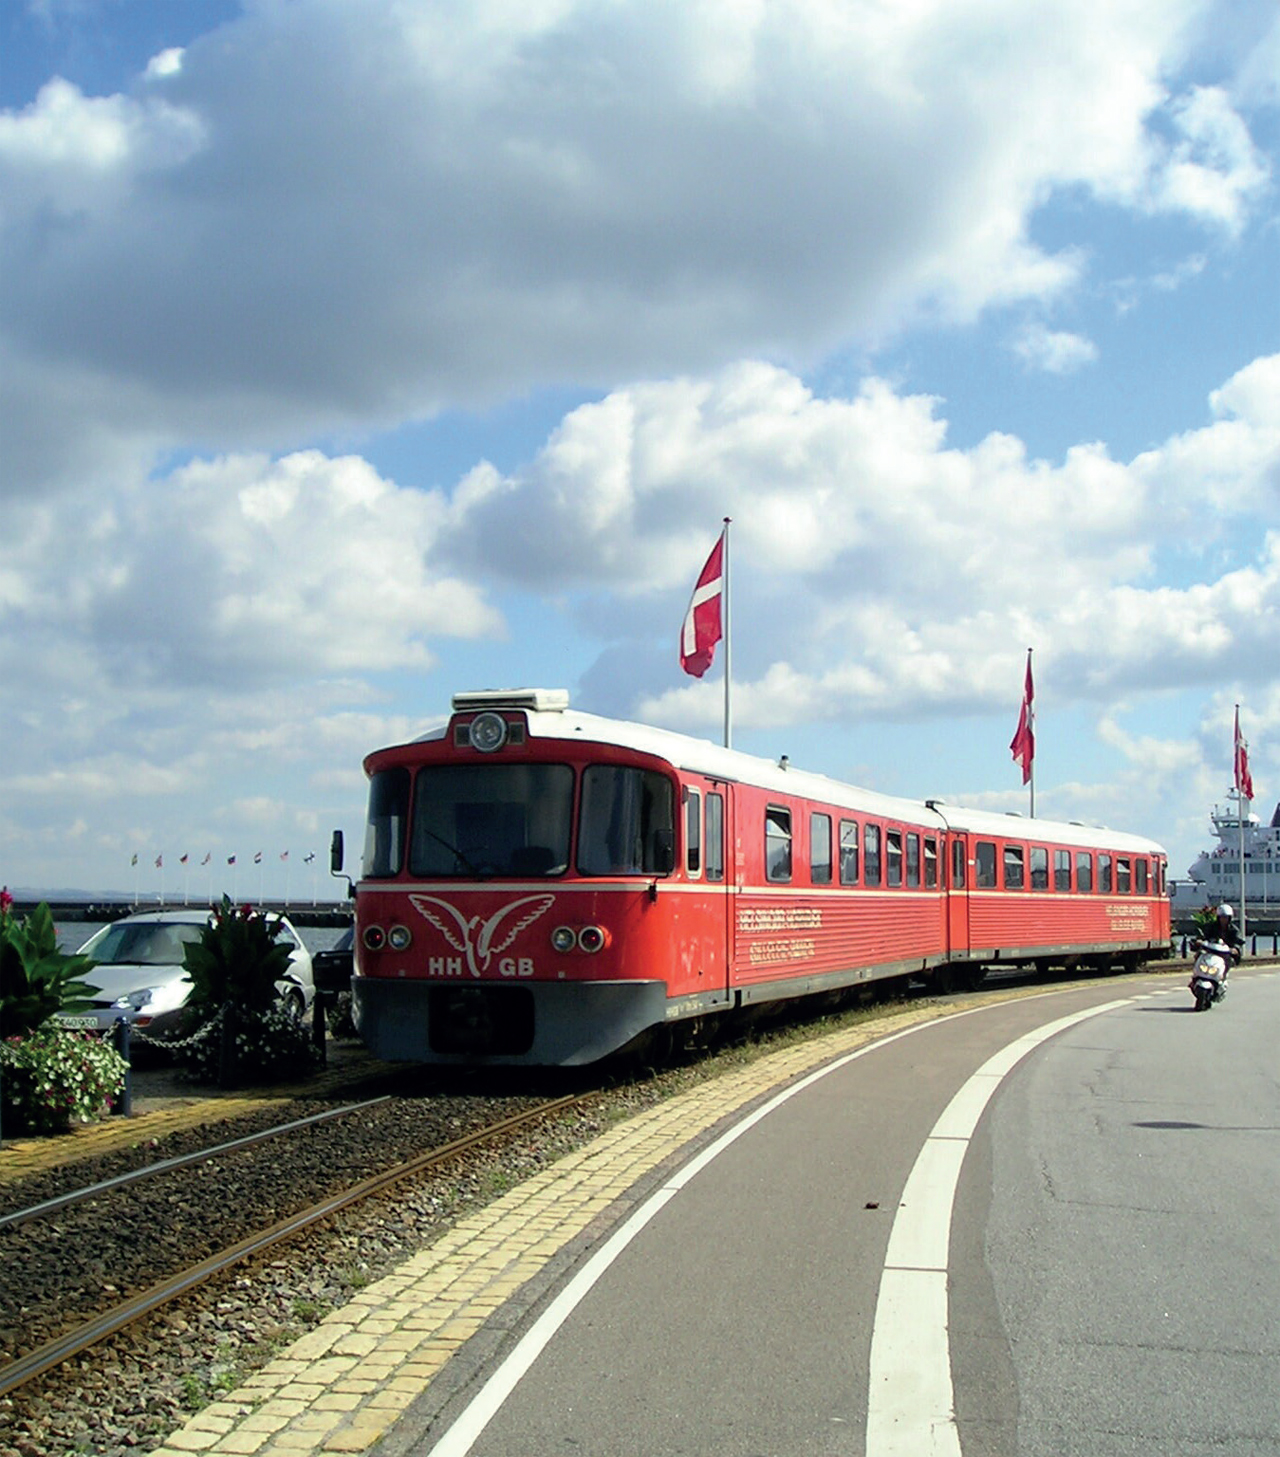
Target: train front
507, 909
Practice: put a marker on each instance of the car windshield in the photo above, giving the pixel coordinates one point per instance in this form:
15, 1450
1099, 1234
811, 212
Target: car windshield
142, 943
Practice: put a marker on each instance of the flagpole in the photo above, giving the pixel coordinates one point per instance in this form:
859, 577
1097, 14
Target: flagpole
728, 716
1031, 724
1244, 903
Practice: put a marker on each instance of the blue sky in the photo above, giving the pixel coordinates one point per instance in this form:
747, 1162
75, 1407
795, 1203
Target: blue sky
353, 356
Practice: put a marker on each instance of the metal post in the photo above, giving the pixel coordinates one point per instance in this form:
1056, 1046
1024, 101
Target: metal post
318, 1028
121, 1035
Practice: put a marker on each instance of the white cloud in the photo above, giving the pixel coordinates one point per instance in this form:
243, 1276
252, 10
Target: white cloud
1054, 351
329, 218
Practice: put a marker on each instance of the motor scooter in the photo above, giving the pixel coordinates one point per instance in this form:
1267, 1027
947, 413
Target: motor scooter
1209, 974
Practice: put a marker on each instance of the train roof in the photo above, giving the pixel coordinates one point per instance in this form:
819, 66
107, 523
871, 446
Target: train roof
549, 717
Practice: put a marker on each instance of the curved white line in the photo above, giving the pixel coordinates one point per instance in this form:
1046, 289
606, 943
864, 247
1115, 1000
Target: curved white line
953, 1128
910, 1408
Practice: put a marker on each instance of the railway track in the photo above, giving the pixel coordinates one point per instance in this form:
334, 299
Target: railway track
52, 1313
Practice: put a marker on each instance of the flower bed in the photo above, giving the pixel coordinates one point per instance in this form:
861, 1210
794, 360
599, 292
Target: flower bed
54, 1078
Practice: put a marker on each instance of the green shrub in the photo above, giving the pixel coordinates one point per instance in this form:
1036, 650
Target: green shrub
235, 1028
236, 961
54, 1078
36, 979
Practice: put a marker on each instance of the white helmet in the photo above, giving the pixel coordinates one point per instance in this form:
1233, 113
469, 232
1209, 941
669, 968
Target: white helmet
1225, 910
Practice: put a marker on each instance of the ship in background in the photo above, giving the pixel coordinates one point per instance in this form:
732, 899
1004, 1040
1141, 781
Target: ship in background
1216, 876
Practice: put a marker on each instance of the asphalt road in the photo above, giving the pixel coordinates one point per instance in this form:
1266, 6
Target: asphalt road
994, 1234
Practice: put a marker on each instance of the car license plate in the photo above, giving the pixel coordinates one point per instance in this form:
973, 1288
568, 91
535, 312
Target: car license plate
87, 1020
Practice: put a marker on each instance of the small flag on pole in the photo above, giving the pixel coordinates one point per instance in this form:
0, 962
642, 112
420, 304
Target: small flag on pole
207, 858
703, 626
159, 861
231, 859
1244, 780
1023, 746
182, 859
257, 859
134, 861
307, 859
284, 854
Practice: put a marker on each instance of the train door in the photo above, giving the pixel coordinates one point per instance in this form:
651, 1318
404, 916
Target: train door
722, 873
957, 893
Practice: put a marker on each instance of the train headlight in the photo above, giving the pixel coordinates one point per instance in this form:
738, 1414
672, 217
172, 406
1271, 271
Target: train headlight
374, 937
592, 939
399, 937
563, 939
488, 732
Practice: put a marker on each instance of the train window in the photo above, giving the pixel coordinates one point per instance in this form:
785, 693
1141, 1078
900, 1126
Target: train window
984, 854
626, 823
384, 829
715, 836
1140, 876
959, 865
930, 863
913, 858
1014, 866
1123, 876
871, 855
848, 852
476, 820
1084, 871
1160, 887
893, 857
693, 831
1039, 868
1104, 874
1062, 870
777, 843
820, 849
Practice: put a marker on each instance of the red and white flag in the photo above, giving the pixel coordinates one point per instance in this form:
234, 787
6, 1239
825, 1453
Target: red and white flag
1023, 746
1244, 780
703, 623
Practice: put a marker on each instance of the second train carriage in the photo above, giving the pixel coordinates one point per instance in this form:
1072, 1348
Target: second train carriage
544, 887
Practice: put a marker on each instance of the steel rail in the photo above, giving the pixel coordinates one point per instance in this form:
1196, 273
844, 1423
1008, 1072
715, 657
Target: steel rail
53, 1353
179, 1161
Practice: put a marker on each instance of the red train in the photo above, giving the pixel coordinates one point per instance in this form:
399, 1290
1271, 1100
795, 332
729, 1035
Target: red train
546, 887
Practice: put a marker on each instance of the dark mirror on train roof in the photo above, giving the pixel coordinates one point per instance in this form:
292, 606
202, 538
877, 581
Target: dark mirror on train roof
336, 853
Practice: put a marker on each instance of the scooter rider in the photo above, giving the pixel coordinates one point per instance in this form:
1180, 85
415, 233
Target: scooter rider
1224, 932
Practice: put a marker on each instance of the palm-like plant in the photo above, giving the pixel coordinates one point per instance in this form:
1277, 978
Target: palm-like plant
37, 981
236, 962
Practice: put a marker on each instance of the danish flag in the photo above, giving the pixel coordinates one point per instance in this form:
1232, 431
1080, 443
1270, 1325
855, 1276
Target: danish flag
703, 626
1244, 780
1023, 746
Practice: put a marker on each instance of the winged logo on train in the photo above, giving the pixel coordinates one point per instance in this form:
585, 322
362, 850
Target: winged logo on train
461, 931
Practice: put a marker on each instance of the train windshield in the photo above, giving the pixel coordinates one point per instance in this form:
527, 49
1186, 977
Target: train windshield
628, 822
480, 820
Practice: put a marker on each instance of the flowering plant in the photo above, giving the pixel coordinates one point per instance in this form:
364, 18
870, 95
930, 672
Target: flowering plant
36, 979
270, 1043
237, 960
234, 1022
54, 1078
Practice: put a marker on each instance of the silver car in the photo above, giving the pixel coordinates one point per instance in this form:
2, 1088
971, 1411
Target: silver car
140, 976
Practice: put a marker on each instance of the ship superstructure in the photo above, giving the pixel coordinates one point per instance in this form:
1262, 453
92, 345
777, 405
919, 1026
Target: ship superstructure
1215, 876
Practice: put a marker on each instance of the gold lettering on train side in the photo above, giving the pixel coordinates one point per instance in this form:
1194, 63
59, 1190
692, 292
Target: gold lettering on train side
779, 918
771, 953
1122, 917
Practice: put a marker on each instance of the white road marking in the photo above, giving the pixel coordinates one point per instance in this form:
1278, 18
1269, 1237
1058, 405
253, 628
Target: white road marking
480, 1411
910, 1403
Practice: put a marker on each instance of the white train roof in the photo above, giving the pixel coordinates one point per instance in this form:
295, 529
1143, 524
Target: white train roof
549, 718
